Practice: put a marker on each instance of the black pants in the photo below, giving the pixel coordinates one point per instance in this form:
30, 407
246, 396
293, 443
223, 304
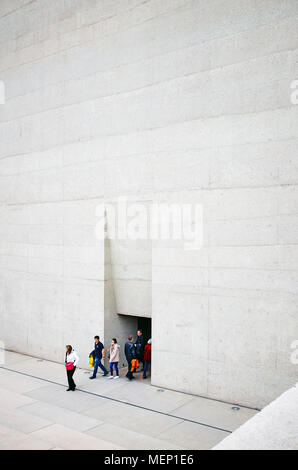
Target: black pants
71, 383
142, 364
129, 373
140, 358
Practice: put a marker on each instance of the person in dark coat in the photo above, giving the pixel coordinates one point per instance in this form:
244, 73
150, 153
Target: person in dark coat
130, 354
140, 346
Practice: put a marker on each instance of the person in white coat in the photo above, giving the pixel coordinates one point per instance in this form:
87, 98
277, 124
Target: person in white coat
71, 362
114, 352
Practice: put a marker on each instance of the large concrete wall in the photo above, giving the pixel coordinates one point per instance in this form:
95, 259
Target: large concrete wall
153, 100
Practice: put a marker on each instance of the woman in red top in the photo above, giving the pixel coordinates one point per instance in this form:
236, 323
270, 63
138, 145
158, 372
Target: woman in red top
147, 358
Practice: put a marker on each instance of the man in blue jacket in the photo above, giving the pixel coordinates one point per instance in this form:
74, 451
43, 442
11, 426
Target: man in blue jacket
98, 353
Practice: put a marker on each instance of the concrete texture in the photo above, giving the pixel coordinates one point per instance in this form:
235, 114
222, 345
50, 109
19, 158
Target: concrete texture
157, 101
39, 414
275, 428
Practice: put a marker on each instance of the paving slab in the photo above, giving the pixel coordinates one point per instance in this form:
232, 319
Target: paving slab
12, 358
20, 383
24, 443
58, 415
150, 397
20, 421
39, 368
74, 401
101, 385
193, 436
214, 413
134, 419
130, 439
69, 439
85, 442
13, 400
6, 432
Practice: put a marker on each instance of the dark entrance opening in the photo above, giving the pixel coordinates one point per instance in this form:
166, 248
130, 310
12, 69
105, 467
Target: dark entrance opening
144, 324
129, 325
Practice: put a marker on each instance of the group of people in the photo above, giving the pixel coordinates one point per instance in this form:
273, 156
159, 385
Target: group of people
138, 354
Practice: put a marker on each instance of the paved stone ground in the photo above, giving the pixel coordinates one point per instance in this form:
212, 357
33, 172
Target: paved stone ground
37, 413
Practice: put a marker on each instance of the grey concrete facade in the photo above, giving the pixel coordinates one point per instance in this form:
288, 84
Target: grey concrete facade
156, 101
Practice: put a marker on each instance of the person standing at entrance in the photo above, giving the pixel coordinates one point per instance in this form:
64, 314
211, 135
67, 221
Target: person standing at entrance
98, 353
130, 354
147, 358
71, 362
140, 346
114, 358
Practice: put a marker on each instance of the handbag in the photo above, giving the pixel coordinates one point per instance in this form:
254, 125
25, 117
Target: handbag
91, 361
69, 365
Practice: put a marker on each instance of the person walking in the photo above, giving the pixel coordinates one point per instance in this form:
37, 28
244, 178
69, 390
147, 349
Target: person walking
114, 353
140, 346
147, 358
71, 362
130, 354
99, 354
